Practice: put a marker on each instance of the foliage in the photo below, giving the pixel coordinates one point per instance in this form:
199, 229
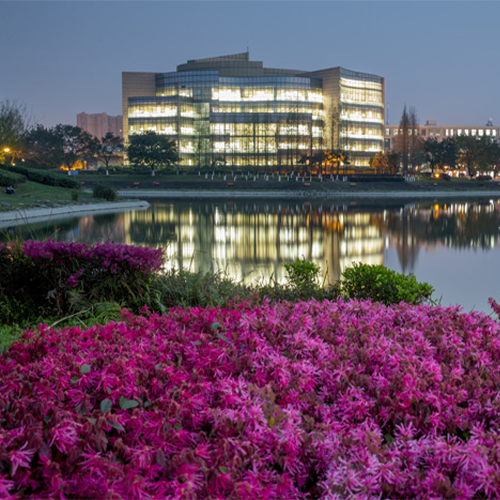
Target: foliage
107, 148
14, 122
380, 284
42, 177
43, 148
477, 153
441, 153
307, 400
104, 192
408, 144
50, 277
380, 162
152, 150
62, 145
11, 179
187, 289
302, 274
77, 145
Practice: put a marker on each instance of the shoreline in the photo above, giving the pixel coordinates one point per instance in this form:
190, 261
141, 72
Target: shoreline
165, 193
28, 215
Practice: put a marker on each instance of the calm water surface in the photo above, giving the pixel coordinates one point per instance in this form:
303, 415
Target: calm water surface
453, 245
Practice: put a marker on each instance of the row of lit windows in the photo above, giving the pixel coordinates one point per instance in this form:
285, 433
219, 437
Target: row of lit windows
447, 132
360, 84
239, 130
362, 116
367, 96
269, 129
248, 146
235, 94
317, 114
362, 134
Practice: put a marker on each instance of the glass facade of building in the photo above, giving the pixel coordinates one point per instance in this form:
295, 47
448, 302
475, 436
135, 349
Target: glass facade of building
361, 109
230, 111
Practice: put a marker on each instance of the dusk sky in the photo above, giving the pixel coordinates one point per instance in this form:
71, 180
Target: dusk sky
63, 58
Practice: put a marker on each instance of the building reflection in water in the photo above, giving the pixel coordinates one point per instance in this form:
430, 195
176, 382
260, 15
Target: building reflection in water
252, 240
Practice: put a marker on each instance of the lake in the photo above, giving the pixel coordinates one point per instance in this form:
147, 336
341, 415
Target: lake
453, 245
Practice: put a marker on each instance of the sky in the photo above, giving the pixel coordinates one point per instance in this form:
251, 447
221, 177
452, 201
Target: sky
61, 58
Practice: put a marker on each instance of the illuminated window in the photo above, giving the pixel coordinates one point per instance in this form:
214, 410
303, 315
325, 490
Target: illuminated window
314, 97
229, 94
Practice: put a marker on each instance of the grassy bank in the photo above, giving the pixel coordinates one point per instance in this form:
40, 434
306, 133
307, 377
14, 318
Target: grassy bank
194, 182
36, 195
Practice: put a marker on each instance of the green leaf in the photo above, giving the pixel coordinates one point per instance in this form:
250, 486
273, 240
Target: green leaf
147, 404
75, 379
106, 405
116, 426
223, 337
215, 325
223, 469
197, 342
388, 438
85, 369
126, 404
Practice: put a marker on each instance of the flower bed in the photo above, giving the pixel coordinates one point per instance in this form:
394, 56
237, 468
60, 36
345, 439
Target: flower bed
50, 277
306, 400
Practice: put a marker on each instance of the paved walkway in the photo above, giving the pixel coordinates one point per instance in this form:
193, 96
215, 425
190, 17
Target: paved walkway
20, 216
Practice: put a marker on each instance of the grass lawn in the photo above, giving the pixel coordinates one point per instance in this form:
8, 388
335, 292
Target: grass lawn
32, 194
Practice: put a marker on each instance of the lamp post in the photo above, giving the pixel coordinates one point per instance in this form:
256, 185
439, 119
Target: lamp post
8, 150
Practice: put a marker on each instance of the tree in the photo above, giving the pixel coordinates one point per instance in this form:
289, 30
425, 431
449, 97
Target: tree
473, 152
108, 146
62, 145
43, 148
152, 150
379, 162
14, 122
408, 144
433, 150
77, 145
440, 153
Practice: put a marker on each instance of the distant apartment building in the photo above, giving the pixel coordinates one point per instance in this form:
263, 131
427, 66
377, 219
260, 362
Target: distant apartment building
100, 124
431, 130
235, 111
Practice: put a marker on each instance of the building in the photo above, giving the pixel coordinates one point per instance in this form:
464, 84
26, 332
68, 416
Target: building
431, 130
232, 111
100, 124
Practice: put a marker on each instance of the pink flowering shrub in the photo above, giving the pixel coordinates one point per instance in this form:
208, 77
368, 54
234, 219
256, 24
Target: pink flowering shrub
284, 401
47, 275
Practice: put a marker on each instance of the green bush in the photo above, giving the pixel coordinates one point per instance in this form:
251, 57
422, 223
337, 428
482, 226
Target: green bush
104, 192
302, 275
381, 284
7, 179
43, 177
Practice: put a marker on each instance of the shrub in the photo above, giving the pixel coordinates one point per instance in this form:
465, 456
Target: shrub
7, 179
104, 192
380, 284
42, 177
307, 400
53, 277
483, 178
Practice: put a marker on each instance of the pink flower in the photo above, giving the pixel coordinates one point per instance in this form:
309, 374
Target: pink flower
21, 457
